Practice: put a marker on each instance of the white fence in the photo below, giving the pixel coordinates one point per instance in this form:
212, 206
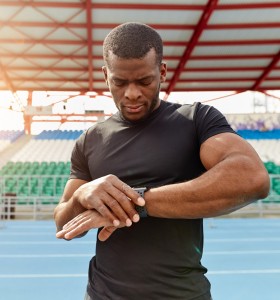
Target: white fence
40, 203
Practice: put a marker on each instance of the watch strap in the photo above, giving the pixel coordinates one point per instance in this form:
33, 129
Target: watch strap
141, 210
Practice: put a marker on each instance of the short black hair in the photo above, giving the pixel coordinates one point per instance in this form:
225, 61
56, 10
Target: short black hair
133, 40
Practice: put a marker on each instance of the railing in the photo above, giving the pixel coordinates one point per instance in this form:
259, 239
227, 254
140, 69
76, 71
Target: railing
25, 196
35, 197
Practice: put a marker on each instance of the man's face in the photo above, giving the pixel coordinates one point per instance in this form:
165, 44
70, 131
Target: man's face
135, 84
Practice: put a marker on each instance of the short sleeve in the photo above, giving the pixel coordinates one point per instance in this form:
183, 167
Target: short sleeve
209, 121
79, 165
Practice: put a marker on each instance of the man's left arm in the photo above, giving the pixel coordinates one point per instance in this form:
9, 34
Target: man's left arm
235, 177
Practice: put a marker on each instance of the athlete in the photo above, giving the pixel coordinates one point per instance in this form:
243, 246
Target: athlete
148, 176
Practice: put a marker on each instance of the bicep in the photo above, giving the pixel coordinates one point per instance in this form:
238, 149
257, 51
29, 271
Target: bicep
221, 146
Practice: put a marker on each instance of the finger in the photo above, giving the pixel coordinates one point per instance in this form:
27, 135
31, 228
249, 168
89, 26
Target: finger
123, 192
82, 223
77, 231
105, 233
108, 201
131, 194
89, 213
60, 234
113, 200
125, 205
116, 204
93, 196
114, 181
85, 224
77, 220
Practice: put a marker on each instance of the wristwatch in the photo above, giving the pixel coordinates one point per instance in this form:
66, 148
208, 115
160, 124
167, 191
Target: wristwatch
141, 209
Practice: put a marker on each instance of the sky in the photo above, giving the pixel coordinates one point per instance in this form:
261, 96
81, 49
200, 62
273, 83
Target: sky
11, 116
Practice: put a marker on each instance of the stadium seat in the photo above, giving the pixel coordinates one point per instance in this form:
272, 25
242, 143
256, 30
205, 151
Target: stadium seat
43, 179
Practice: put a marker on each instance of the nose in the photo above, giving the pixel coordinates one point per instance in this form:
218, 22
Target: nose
132, 92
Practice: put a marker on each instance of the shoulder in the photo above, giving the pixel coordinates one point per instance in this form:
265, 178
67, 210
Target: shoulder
96, 128
208, 120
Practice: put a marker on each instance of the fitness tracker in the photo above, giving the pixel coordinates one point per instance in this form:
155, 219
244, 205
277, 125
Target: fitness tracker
141, 210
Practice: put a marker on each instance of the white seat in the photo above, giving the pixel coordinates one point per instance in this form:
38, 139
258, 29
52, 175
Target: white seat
45, 150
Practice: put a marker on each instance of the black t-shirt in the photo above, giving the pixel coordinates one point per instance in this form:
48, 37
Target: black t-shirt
155, 258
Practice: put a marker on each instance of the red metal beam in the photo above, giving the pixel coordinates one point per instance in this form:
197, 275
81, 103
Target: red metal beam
166, 43
77, 80
216, 89
51, 56
167, 57
93, 26
222, 97
89, 44
10, 85
140, 5
226, 56
6, 78
45, 79
105, 5
238, 42
52, 69
193, 79
101, 91
42, 24
42, 4
270, 95
266, 72
45, 42
262, 5
12, 23
84, 69
143, 6
211, 5
242, 26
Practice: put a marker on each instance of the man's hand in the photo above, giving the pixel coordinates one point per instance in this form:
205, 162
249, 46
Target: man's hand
112, 198
84, 222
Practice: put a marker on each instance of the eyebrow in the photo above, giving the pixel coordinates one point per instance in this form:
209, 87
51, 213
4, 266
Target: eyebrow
140, 79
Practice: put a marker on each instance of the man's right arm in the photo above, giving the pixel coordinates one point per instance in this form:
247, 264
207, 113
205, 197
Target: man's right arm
105, 202
68, 208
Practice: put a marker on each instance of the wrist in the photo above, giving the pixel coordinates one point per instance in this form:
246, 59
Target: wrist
76, 205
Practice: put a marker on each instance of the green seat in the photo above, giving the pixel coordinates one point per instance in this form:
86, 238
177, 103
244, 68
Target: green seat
23, 201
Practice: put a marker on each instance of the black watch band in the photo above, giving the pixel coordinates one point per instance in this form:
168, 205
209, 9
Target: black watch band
141, 210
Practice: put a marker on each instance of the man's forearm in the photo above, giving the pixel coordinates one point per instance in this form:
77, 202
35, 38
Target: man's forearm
228, 186
66, 211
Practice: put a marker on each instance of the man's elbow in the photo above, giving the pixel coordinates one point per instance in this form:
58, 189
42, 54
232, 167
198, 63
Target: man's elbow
262, 184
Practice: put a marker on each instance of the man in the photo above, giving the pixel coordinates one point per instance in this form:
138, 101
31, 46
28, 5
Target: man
188, 158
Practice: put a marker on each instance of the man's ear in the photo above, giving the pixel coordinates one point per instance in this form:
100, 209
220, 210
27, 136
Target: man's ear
163, 72
104, 69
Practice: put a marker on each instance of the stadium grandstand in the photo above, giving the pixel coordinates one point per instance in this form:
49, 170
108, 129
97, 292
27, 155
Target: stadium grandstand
51, 80
224, 53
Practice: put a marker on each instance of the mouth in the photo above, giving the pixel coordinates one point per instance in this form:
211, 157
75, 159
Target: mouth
134, 109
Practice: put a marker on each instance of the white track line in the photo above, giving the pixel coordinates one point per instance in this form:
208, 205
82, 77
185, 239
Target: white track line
45, 255
239, 272
234, 240
222, 272
91, 254
238, 252
57, 243
42, 275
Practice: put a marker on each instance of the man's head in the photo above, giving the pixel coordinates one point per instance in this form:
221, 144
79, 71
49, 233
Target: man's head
134, 69
132, 40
